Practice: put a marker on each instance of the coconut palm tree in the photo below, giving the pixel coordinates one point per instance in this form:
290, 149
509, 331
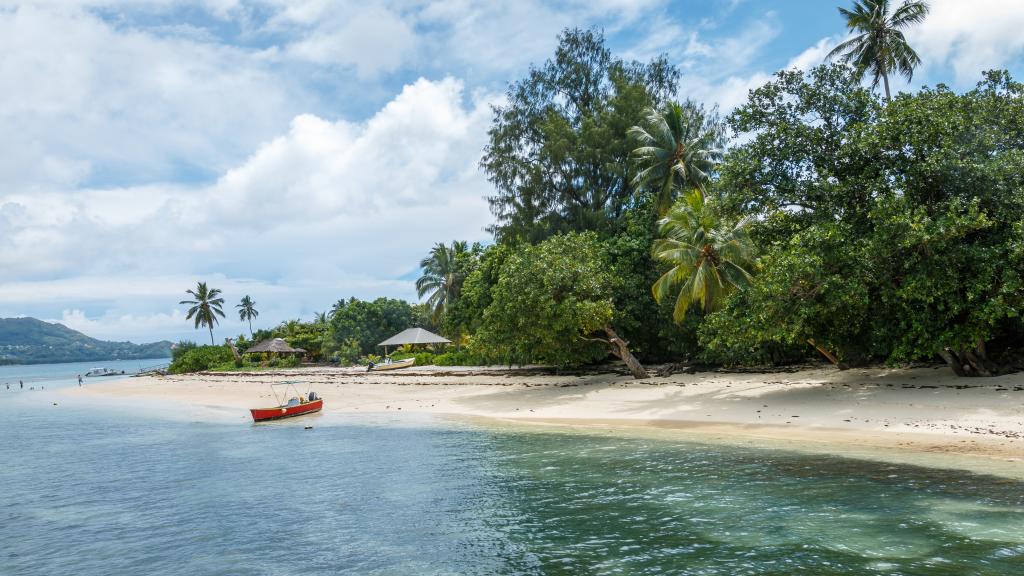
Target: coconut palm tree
879, 47
441, 277
247, 311
206, 305
677, 149
710, 257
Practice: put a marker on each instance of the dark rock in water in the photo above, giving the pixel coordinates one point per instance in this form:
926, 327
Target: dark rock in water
309, 428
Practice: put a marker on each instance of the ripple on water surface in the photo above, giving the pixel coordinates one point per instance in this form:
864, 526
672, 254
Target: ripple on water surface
126, 495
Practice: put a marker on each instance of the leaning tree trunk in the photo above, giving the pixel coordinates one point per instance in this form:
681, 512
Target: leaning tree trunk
888, 97
824, 352
953, 361
212, 343
234, 351
620, 348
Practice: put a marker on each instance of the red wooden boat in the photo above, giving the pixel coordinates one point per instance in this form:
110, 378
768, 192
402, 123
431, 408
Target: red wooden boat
297, 405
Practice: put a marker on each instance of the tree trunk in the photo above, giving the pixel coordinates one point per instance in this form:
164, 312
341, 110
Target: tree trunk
885, 79
978, 359
953, 361
968, 362
620, 348
212, 343
978, 364
234, 351
251, 335
831, 357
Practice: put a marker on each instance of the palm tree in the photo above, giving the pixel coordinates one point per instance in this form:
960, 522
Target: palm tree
441, 277
205, 306
709, 257
677, 148
247, 311
879, 46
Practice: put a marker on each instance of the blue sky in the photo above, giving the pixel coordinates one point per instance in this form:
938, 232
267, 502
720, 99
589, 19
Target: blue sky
304, 151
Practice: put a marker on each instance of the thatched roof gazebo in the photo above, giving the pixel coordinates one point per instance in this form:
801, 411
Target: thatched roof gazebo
413, 336
275, 346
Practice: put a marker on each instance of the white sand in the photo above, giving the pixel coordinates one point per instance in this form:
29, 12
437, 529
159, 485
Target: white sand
923, 411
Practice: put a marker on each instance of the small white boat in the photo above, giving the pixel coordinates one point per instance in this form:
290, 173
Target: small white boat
391, 365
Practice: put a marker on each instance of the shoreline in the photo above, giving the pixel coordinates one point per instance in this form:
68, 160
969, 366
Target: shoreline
896, 415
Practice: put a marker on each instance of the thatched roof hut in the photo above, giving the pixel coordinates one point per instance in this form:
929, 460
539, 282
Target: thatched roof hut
275, 345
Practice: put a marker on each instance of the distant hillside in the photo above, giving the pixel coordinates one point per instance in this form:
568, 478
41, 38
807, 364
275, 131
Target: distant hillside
31, 341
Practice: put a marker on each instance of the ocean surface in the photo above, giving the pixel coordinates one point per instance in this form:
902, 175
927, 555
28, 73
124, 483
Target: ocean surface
91, 489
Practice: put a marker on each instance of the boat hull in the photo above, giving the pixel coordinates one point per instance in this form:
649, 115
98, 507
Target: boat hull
394, 365
279, 412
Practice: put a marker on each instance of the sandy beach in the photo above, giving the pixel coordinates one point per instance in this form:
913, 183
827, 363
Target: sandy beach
885, 413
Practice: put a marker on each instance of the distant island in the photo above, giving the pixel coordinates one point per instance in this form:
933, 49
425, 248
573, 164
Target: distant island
32, 341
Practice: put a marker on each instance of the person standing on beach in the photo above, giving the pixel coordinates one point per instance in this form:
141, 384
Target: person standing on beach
21, 384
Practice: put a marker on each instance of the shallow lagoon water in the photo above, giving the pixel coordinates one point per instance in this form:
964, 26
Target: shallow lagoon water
90, 491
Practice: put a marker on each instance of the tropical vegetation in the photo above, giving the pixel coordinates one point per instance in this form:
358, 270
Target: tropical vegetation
709, 256
816, 220
442, 276
677, 150
205, 306
247, 311
878, 46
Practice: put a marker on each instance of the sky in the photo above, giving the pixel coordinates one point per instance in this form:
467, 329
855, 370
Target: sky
302, 151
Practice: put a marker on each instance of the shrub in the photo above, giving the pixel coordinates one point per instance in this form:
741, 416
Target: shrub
422, 358
347, 353
459, 358
290, 361
370, 358
199, 358
183, 346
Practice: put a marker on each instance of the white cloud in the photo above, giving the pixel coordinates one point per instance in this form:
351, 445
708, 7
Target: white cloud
85, 100
813, 56
970, 36
715, 69
132, 327
373, 39
324, 211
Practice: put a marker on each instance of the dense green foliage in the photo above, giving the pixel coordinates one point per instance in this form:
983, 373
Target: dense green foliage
547, 300
561, 161
31, 341
199, 358
349, 331
370, 323
838, 222
710, 257
890, 233
444, 271
557, 155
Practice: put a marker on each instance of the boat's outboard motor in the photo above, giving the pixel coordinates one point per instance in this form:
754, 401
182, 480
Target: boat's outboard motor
312, 395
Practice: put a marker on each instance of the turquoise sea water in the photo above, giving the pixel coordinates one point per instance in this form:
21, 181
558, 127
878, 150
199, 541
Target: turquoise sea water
90, 490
